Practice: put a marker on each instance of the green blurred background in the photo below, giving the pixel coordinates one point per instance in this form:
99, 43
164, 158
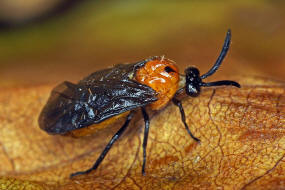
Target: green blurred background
39, 45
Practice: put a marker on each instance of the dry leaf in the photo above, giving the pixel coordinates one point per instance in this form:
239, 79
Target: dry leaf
12, 183
241, 131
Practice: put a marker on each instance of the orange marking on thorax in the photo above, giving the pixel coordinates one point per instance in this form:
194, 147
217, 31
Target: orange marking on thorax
154, 75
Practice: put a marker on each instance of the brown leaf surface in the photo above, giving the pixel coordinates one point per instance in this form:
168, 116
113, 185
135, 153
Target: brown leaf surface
241, 131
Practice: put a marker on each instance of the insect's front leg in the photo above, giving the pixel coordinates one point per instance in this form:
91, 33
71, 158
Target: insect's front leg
108, 147
146, 130
179, 105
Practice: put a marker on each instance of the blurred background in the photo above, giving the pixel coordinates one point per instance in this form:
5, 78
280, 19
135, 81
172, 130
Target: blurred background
48, 41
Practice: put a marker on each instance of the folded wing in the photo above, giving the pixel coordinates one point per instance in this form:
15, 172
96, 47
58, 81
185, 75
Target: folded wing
74, 106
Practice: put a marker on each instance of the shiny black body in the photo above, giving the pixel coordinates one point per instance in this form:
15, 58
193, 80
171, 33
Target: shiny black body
110, 92
94, 99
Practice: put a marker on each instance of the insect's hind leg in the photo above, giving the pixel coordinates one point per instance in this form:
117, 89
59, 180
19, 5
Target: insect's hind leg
179, 105
146, 130
108, 147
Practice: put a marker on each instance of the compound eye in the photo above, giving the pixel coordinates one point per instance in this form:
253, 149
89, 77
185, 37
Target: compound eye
192, 90
168, 69
192, 71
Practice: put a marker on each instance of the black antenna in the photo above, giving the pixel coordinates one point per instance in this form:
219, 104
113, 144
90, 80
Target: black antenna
221, 83
194, 80
221, 56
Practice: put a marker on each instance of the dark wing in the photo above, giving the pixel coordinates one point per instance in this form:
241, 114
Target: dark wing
72, 106
118, 72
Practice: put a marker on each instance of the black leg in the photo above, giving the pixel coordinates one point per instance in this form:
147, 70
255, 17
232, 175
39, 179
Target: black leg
178, 103
221, 57
146, 130
108, 147
221, 83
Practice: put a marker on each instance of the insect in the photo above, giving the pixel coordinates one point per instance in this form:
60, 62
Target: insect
111, 93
